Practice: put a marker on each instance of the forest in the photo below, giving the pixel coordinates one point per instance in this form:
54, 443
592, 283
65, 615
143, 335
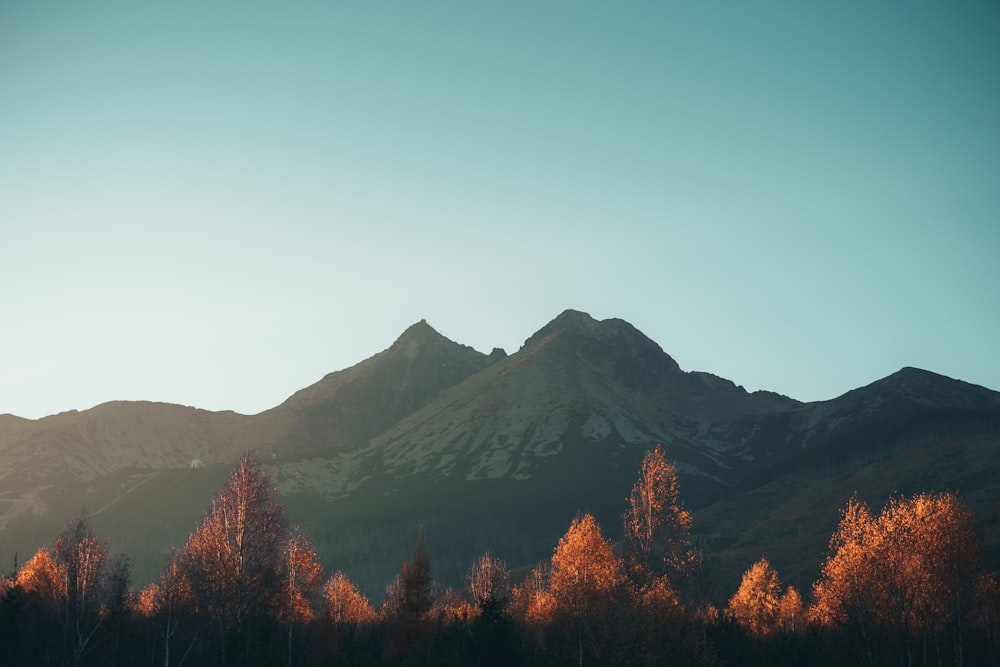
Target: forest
902, 586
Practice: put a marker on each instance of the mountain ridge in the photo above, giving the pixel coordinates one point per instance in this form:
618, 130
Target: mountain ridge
428, 430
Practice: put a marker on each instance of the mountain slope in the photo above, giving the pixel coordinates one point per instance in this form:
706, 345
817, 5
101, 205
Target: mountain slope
347, 408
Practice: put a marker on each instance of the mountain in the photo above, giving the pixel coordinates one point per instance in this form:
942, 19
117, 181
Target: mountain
499, 452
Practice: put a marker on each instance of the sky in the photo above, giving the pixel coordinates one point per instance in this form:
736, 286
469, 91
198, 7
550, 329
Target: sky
216, 204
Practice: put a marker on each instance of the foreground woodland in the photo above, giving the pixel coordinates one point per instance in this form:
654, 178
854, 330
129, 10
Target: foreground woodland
904, 586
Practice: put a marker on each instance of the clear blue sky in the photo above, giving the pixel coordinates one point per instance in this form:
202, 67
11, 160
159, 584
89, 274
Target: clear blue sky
215, 204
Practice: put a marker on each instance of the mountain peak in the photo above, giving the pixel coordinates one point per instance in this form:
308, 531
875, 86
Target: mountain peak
568, 320
419, 335
420, 328
926, 388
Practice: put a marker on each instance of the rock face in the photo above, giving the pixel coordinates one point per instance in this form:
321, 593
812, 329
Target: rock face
488, 451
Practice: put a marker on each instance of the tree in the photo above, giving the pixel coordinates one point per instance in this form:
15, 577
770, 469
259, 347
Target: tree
408, 605
235, 557
656, 525
303, 575
489, 581
42, 577
493, 631
42, 586
76, 582
169, 605
791, 611
417, 584
911, 573
343, 604
586, 578
755, 605
532, 604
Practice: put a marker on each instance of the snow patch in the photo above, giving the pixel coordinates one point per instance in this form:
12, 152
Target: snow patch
597, 427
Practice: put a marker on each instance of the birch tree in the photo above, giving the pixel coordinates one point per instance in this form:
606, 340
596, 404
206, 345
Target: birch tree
235, 556
657, 528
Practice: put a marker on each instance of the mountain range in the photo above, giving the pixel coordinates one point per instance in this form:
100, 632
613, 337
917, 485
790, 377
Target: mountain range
497, 451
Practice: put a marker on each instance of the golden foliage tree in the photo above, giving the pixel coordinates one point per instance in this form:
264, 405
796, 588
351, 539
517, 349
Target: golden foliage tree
168, 604
755, 605
235, 556
844, 590
42, 577
657, 528
532, 604
791, 611
77, 582
344, 604
586, 577
302, 578
585, 570
911, 572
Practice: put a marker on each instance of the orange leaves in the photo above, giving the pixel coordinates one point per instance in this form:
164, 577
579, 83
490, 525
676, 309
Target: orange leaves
791, 611
657, 527
532, 603
907, 570
42, 576
147, 602
756, 603
342, 602
584, 559
659, 599
233, 559
303, 575
585, 569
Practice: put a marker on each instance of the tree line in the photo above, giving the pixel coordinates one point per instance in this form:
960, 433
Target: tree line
905, 586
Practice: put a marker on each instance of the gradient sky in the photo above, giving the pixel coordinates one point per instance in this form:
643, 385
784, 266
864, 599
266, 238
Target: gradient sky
215, 204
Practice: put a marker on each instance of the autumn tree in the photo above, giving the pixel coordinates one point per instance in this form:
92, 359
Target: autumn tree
910, 573
489, 581
657, 528
343, 604
756, 604
839, 596
42, 577
42, 586
235, 557
168, 604
791, 611
301, 580
585, 580
78, 583
532, 604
